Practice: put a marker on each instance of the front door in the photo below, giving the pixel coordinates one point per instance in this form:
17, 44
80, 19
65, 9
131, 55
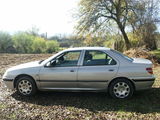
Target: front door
97, 69
61, 72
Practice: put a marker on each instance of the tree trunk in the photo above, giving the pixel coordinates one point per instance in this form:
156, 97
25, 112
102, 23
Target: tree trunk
126, 40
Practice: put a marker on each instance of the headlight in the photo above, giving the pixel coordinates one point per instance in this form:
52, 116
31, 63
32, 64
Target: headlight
5, 74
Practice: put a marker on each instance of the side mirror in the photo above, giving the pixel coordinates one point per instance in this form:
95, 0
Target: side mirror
51, 64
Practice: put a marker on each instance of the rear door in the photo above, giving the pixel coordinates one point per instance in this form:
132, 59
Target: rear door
96, 70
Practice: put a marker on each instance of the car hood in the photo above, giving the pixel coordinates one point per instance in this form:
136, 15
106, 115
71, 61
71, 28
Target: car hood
25, 65
141, 60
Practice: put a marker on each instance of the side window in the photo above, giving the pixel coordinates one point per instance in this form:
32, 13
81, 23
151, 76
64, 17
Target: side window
94, 57
67, 59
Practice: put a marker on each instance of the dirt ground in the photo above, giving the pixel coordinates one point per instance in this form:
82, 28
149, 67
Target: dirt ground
74, 105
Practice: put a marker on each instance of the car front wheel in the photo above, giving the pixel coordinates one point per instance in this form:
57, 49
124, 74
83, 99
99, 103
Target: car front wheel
121, 88
26, 86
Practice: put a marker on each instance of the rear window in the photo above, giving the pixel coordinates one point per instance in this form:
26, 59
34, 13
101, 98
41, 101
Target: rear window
122, 55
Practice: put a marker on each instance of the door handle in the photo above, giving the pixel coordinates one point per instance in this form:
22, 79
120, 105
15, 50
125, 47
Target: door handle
71, 70
111, 70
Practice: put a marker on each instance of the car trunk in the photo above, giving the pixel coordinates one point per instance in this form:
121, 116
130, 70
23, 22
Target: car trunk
142, 61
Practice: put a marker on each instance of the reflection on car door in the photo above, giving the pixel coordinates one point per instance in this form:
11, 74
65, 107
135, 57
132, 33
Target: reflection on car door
63, 74
96, 70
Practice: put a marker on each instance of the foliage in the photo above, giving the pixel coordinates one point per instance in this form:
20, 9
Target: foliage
115, 41
91, 40
144, 22
138, 16
68, 41
23, 42
96, 14
52, 46
158, 40
135, 39
5, 42
156, 53
39, 45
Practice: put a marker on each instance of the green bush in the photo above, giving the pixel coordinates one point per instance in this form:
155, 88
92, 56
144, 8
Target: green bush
27, 43
5, 42
52, 46
39, 45
23, 42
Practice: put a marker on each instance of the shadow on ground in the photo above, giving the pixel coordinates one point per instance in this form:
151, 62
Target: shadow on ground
142, 102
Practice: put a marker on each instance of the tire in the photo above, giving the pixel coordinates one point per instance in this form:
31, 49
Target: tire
26, 86
121, 89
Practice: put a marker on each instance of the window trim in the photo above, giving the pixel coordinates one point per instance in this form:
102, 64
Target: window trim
64, 53
98, 65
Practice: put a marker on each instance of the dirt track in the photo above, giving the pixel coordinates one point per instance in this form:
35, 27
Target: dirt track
8, 60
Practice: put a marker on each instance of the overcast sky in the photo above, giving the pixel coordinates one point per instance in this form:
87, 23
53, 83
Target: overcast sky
51, 16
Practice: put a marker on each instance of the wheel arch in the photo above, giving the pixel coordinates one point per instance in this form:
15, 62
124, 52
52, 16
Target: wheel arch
122, 78
22, 75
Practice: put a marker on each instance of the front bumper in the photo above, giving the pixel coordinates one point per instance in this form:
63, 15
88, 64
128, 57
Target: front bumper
8, 83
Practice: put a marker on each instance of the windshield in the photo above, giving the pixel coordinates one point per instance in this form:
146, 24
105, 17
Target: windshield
50, 58
119, 53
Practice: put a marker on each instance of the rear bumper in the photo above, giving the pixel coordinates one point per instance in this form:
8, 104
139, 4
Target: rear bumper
143, 84
8, 83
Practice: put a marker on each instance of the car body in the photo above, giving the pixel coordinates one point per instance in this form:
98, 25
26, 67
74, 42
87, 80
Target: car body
83, 68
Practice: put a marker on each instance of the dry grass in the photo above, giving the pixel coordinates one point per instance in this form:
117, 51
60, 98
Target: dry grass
143, 53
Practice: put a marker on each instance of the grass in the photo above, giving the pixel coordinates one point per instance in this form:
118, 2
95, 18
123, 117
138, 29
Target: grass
156, 52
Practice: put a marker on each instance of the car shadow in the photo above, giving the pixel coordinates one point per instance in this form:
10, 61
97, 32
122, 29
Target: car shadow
142, 101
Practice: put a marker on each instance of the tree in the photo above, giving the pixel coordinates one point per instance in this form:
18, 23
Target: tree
93, 40
97, 14
144, 21
5, 42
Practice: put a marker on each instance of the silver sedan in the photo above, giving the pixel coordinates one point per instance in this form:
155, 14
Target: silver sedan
84, 68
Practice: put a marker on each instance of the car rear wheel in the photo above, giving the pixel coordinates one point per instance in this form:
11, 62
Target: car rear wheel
121, 89
26, 86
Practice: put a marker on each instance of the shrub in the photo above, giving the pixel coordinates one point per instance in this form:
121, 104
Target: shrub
23, 42
39, 45
5, 42
52, 46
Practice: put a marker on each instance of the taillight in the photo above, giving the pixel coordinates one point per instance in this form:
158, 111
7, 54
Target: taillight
149, 70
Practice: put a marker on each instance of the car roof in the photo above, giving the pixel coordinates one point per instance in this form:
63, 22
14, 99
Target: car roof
88, 48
